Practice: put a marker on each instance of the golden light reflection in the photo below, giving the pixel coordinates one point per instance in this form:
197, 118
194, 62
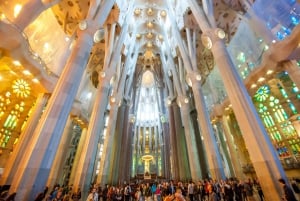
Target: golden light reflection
16, 63
17, 10
26, 72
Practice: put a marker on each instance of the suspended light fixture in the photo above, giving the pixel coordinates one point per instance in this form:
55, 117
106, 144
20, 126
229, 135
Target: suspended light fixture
149, 35
150, 25
150, 11
163, 13
137, 11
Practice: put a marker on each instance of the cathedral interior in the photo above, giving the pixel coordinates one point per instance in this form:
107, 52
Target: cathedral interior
114, 91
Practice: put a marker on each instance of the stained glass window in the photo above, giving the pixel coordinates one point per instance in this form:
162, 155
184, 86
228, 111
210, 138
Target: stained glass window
275, 107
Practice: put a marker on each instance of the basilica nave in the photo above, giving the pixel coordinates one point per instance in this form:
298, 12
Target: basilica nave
111, 92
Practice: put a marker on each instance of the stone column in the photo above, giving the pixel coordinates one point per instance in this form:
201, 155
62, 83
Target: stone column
234, 158
224, 149
181, 145
126, 153
74, 170
264, 158
89, 150
112, 132
126, 133
37, 163
174, 167
21, 148
166, 149
193, 156
61, 154
242, 153
212, 152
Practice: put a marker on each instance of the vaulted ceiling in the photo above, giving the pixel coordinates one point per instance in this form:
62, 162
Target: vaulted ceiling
151, 25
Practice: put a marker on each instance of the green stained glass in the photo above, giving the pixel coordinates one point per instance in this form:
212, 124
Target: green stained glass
241, 57
284, 114
271, 120
295, 89
282, 91
272, 136
278, 136
262, 93
293, 108
277, 117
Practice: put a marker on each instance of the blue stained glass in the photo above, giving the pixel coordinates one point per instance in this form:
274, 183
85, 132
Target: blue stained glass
295, 20
286, 30
279, 35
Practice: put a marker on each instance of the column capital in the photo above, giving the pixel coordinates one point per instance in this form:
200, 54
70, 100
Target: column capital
212, 35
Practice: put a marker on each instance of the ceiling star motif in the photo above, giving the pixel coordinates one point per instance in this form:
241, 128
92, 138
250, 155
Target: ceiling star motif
21, 88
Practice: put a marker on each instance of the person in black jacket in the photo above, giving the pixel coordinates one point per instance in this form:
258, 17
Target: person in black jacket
288, 192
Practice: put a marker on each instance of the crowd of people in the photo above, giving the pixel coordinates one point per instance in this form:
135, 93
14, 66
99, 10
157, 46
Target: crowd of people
203, 190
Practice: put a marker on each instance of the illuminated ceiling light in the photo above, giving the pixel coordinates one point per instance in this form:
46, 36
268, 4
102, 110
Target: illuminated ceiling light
150, 11
1, 78
273, 41
198, 77
266, 47
137, 11
46, 46
186, 100
269, 72
67, 39
150, 25
17, 10
35, 80
253, 86
16, 63
149, 44
7, 94
2, 16
261, 79
26, 72
163, 13
138, 36
160, 37
21, 88
149, 35
113, 99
